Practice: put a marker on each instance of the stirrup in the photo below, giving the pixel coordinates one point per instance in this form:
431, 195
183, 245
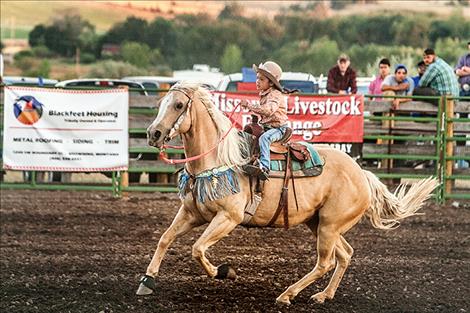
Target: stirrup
263, 174
251, 169
255, 171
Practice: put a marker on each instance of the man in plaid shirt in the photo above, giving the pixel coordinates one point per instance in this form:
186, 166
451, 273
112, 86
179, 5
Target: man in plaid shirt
439, 75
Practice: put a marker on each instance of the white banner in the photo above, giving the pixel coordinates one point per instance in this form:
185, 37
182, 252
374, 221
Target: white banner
65, 130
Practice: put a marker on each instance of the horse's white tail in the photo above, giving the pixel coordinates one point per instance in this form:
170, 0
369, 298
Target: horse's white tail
388, 208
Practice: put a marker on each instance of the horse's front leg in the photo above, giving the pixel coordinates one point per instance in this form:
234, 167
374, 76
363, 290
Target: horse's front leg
220, 226
183, 222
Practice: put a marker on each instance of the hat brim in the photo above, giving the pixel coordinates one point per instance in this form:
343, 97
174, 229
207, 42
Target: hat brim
273, 79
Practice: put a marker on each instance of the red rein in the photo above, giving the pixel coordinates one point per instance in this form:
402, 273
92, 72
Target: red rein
165, 158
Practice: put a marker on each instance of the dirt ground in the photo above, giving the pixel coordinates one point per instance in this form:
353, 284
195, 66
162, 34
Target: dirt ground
85, 252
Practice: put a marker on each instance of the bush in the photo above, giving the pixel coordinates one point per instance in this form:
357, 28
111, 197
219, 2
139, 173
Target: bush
232, 60
41, 69
450, 49
136, 53
42, 52
23, 54
114, 69
156, 58
408, 60
87, 58
32, 67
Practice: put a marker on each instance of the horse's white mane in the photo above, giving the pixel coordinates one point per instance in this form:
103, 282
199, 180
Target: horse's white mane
232, 150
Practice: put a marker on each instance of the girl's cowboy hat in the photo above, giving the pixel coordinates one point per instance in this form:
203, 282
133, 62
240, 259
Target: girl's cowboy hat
272, 71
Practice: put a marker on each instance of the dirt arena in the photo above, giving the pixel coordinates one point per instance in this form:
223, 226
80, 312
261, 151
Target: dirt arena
85, 252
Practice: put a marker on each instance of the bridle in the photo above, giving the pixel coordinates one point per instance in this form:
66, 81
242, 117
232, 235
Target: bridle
180, 118
177, 125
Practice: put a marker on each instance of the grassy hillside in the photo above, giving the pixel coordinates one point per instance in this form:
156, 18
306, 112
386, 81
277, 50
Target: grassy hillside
24, 15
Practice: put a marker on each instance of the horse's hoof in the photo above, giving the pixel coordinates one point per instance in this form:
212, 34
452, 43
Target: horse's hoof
147, 286
320, 297
283, 300
225, 271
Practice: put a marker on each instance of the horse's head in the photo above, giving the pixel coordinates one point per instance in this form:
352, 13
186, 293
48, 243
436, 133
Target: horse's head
173, 116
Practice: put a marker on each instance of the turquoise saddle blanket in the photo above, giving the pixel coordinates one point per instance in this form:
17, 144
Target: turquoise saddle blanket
314, 161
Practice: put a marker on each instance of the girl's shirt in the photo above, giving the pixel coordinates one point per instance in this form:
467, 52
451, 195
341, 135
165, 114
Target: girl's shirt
272, 108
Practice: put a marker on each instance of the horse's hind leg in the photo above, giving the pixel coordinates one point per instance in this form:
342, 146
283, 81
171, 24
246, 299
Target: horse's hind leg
343, 253
183, 222
220, 226
327, 236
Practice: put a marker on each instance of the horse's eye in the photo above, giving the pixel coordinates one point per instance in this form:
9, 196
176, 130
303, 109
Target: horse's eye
179, 105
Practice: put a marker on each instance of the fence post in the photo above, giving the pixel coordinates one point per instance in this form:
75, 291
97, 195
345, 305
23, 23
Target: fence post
124, 184
440, 148
449, 164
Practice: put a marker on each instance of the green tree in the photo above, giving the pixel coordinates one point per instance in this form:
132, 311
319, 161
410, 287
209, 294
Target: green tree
135, 53
67, 34
316, 58
362, 55
450, 49
232, 10
416, 30
132, 29
161, 34
36, 37
456, 26
156, 58
232, 60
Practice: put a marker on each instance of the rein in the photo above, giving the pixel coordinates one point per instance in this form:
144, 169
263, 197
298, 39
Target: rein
164, 156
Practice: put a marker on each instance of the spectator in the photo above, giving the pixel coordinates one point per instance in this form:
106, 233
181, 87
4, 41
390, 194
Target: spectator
438, 79
375, 87
341, 77
462, 69
421, 69
398, 85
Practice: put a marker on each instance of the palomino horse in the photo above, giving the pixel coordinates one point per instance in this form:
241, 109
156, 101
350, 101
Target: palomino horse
329, 204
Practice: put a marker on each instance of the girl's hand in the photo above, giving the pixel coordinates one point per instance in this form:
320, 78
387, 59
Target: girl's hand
244, 104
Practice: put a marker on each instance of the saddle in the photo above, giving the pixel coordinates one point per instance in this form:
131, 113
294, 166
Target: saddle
285, 151
279, 149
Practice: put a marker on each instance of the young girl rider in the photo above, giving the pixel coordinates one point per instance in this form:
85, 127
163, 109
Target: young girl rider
271, 108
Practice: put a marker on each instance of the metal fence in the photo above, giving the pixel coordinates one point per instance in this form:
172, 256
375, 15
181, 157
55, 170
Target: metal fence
418, 139
414, 141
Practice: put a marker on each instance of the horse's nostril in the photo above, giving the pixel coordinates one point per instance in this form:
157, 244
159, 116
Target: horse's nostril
157, 135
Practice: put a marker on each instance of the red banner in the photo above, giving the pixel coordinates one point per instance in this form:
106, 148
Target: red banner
312, 118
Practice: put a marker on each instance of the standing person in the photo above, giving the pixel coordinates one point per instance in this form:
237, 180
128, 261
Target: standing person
341, 77
375, 87
421, 69
398, 85
438, 79
462, 69
273, 111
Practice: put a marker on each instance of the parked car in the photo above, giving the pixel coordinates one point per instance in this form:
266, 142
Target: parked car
363, 84
304, 82
84, 83
28, 81
153, 83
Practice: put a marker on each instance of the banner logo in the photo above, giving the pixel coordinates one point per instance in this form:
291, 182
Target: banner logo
28, 110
